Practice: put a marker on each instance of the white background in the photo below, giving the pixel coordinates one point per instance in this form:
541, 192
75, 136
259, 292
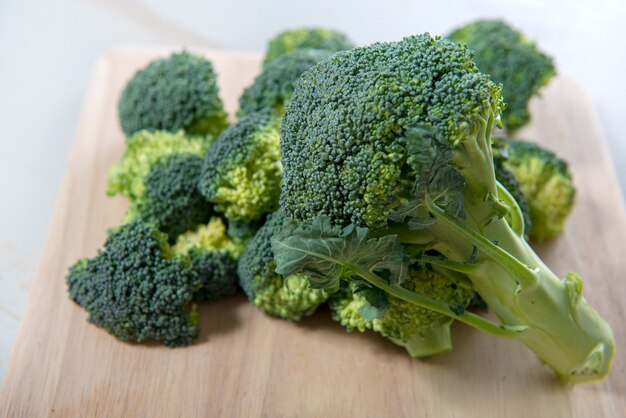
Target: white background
48, 48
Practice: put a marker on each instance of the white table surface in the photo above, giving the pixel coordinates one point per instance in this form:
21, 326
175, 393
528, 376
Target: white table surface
47, 51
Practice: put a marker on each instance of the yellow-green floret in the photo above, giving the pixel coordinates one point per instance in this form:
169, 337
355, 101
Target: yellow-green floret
421, 331
316, 38
213, 255
173, 93
288, 297
135, 289
547, 184
242, 169
143, 150
511, 59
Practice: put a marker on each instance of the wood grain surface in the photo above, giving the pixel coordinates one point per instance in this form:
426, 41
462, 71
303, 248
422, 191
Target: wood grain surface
246, 364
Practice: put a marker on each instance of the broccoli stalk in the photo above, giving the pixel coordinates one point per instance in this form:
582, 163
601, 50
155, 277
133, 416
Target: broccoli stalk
399, 169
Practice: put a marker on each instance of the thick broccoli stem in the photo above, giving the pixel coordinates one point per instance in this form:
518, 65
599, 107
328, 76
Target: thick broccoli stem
563, 330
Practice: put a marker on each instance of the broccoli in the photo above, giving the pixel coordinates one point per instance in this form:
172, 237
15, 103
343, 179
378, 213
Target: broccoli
143, 150
213, 256
547, 184
316, 38
241, 172
135, 289
288, 297
171, 200
387, 161
178, 92
274, 86
421, 331
511, 59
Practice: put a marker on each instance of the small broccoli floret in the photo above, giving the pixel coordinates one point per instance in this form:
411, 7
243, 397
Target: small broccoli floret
143, 150
213, 256
421, 331
288, 297
178, 92
546, 183
511, 59
134, 288
273, 88
241, 172
316, 38
388, 161
171, 200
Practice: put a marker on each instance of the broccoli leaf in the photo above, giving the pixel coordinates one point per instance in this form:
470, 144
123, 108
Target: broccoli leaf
376, 302
327, 254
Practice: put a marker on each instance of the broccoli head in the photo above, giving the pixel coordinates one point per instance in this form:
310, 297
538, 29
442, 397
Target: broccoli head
387, 157
288, 297
143, 150
213, 256
511, 59
178, 92
421, 331
241, 172
546, 183
171, 200
135, 289
272, 89
316, 38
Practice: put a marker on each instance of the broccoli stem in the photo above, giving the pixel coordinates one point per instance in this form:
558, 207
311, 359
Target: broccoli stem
563, 330
515, 213
435, 340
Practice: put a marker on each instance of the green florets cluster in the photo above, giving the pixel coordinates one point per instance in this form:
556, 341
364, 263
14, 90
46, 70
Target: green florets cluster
171, 200
143, 150
357, 116
511, 59
288, 297
242, 170
316, 38
213, 255
178, 92
547, 184
273, 88
135, 289
421, 331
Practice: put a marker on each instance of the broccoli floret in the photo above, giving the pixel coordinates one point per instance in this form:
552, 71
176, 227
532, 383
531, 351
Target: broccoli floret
316, 38
171, 200
421, 331
387, 158
511, 59
272, 89
178, 92
143, 150
213, 256
134, 288
241, 172
288, 297
547, 184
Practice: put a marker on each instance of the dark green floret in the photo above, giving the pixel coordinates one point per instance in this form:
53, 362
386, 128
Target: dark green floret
511, 59
242, 170
213, 255
171, 200
288, 297
143, 150
545, 180
273, 88
134, 288
316, 38
388, 162
178, 92
421, 331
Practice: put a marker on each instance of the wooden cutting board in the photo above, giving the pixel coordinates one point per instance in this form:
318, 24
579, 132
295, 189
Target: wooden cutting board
246, 364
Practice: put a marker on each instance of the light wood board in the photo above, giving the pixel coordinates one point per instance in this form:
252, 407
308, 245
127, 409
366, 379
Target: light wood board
246, 364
